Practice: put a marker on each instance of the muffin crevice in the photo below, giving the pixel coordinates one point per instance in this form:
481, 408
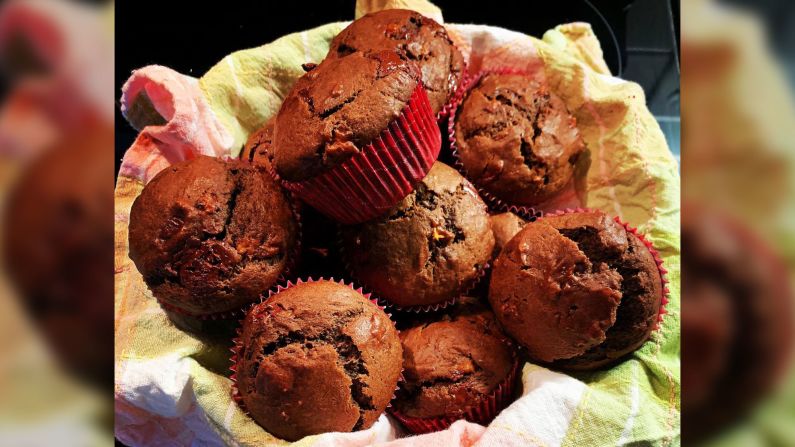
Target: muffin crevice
337, 107
231, 204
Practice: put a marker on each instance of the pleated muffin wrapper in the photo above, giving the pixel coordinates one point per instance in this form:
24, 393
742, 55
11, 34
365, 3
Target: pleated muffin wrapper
189, 320
384, 172
481, 413
237, 343
654, 253
424, 308
455, 98
565, 198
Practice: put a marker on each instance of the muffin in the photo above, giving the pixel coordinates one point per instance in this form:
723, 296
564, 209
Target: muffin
355, 134
209, 236
427, 250
258, 146
516, 140
316, 357
453, 363
57, 246
413, 36
577, 289
737, 321
505, 226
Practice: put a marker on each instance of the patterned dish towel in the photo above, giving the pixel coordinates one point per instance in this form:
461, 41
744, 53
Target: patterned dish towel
173, 389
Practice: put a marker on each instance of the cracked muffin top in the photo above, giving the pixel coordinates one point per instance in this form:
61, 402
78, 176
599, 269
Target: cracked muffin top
210, 236
258, 146
317, 357
516, 140
416, 38
578, 289
337, 108
429, 248
452, 362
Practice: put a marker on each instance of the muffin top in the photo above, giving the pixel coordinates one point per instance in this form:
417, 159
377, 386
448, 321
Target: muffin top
317, 357
209, 235
429, 248
258, 146
591, 290
416, 38
453, 362
550, 296
505, 226
641, 285
337, 108
516, 139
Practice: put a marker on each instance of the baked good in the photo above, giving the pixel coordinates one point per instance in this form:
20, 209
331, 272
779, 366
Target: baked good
452, 361
355, 135
57, 245
505, 226
737, 321
258, 147
578, 289
317, 357
337, 108
209, 236
430, 248
516, 140
416, 38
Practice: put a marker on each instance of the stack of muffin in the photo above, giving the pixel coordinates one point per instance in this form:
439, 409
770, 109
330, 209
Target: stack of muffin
358, 140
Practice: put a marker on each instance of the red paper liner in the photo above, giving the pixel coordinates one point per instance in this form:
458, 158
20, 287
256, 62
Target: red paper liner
371, 182
291, 264
237, 343
526, 213
654, 253
481, 273
444, 304
481, 413
495, 203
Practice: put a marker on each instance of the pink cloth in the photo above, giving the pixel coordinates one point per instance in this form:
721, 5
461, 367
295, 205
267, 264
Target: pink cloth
75, 43
191, 127
75, 94
26, 129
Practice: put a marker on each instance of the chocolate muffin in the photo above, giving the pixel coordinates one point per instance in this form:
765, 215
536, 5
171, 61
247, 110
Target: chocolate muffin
209, 236
453, 362
317, 357
505, 226
516, 140
577, 289
337, 108
258, 148
737, 321
429, 248
416, 38
57, 250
